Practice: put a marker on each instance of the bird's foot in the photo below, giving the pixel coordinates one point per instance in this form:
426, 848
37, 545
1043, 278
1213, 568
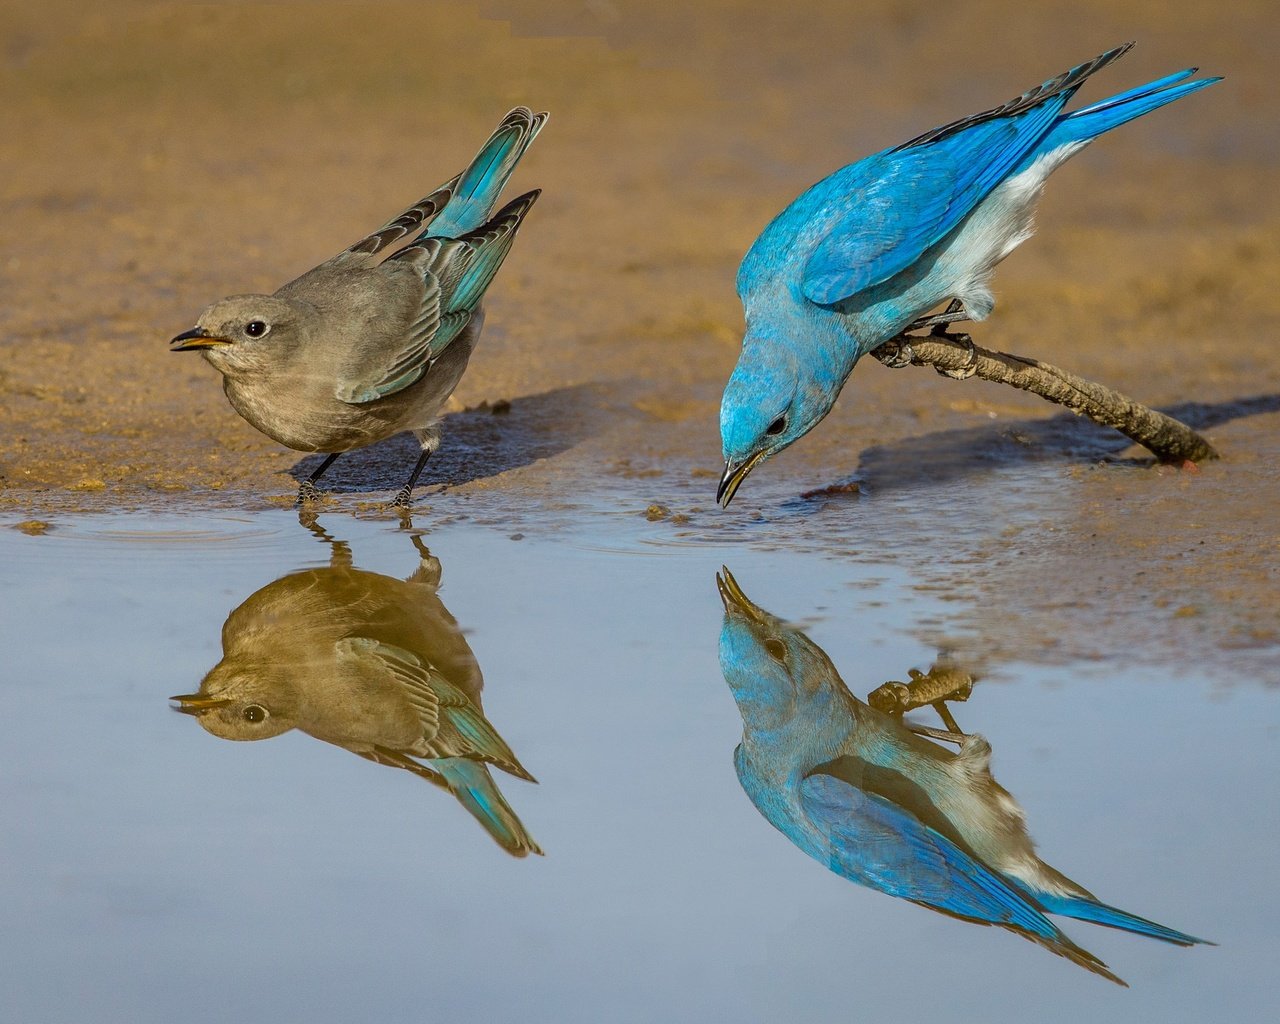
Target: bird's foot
970, 366
954, 312
309, 493
895, 353
946, 736
403, 501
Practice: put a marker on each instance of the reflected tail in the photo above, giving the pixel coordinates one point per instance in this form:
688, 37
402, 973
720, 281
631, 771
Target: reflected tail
1112, 917
475, 789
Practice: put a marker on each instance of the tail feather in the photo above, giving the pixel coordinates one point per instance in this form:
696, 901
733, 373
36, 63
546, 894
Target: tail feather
1090, 122
486, 176
1064, 947
1113, 917
471, 784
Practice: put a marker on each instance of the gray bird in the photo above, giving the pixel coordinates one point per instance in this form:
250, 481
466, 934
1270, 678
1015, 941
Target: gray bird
365, 346
369, 663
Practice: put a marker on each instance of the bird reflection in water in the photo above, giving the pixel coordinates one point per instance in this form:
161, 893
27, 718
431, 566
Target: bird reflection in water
369, 663
859, 790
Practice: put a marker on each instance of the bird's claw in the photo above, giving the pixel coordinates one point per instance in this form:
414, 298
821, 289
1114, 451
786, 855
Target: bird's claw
403, 499
970, 366
895, 353
309, 493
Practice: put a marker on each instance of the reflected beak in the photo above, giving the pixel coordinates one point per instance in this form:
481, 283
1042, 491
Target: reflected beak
733, 599
196, 338
733, 476
195, 703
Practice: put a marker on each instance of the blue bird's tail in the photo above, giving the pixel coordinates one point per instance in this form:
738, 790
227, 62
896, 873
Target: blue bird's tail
479, 186
1112, 917
471, 783
1090, 122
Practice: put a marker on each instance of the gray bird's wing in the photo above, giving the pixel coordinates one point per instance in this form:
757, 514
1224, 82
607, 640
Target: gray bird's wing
402, 670
414, 219
465, 732
455, 273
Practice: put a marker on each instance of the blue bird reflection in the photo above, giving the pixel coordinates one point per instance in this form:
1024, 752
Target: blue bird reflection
861, 792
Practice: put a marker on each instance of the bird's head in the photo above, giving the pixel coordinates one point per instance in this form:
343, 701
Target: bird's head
237, 704
771, 401
245, 333
772, 668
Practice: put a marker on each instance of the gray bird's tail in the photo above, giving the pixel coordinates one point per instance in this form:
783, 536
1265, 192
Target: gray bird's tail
479, 186
471, 783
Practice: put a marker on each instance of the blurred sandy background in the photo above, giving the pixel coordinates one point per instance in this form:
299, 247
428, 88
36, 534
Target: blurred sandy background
159, 156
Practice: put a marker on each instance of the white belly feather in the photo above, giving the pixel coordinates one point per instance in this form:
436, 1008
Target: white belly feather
997, 226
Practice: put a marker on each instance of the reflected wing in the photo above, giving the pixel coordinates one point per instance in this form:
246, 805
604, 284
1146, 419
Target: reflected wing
465, 732
875, 843
403, 669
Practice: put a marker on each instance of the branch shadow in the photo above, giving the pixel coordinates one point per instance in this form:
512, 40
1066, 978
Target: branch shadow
949, 455
478, 443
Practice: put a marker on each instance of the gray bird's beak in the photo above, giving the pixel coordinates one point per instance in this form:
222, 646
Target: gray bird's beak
733, 477
734, 600
196, 338
194, 703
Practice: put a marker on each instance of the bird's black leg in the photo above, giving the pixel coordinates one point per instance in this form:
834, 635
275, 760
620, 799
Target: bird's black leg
308, 491
953, 312
403, 496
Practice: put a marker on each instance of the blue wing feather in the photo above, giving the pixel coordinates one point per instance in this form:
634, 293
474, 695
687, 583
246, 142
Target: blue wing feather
914, 198
876, 843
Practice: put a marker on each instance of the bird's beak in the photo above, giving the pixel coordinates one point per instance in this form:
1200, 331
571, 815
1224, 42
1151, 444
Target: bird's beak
733, 599
194, 703
733, 476
196, 338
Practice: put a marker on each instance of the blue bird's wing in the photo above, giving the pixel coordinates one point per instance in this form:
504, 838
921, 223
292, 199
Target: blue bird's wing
455, 274
875, 843
887, 210
878, 844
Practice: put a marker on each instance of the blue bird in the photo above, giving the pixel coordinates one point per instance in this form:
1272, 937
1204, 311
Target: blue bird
858, 791
868, 252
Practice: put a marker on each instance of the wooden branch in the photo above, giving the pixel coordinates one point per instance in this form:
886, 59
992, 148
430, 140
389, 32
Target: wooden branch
955, 355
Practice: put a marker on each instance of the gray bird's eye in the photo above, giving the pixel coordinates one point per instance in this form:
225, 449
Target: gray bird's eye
777, 426
253, 713
256, 328
776, 648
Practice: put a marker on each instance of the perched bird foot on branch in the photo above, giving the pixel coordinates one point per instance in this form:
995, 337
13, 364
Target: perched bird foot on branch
957, 738
954, 312
970, 366
895, 353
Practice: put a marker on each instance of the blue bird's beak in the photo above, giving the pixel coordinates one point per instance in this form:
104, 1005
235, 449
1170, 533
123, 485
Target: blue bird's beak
734, 474
734, 600
196, 338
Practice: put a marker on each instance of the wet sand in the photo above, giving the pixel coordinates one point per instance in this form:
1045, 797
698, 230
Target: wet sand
160, 156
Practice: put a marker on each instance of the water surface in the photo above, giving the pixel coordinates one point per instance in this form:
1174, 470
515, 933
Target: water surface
153, 872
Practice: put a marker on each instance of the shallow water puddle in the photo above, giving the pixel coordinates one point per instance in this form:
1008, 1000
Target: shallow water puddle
174, 875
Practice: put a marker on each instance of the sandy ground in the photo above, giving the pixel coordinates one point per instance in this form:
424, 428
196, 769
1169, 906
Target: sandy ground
158, 156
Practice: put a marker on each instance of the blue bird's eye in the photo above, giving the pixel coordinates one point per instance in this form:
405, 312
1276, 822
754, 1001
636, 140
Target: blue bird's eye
776, 649
254, 713
777, 426
256, 328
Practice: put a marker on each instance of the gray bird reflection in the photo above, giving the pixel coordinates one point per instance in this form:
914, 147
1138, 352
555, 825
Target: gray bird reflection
369, 663
858, 789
